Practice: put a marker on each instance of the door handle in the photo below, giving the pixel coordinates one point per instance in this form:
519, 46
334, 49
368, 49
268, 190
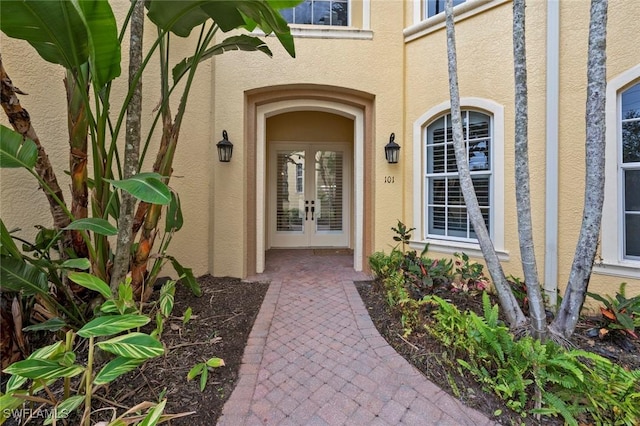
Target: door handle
306, 210
313, 209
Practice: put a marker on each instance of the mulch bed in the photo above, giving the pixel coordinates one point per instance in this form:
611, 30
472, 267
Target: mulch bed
430, 357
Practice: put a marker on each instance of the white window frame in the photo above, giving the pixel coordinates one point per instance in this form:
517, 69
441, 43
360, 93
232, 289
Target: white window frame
612, 260
336, 32
450, 245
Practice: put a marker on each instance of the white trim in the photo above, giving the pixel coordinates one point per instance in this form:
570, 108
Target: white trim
612, 259
274, 108
366, 14
551, 218
451, 247
497, 161
324, 31
422, 27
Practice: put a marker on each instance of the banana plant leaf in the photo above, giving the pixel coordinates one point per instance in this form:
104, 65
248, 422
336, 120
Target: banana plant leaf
181, 16
91, 282
241, 42
16, 152
147, 187
18, 276
7, 245
68, 33
95, 224
174, 220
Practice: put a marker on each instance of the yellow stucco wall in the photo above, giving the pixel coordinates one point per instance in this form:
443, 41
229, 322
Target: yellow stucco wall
23, 205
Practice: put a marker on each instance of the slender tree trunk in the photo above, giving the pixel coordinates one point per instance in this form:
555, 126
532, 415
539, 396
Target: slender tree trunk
21, 122
78, 124
508, 302
131, 151
523, 194
574, 296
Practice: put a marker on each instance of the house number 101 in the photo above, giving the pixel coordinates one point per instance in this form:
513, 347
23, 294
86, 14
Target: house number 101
389, 179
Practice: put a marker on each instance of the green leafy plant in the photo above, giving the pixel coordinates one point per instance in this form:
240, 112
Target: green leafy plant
468, 276
116, 326
402, 234
202, 369
619, 314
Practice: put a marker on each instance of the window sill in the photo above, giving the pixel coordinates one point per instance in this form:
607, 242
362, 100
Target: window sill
621, 269
451, 247
323, 31
461, 12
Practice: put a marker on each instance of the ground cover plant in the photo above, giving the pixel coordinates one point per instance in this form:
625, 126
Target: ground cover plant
455, 334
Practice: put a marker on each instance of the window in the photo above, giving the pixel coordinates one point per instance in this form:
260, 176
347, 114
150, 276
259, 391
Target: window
435, 7
446, 213
620, 236
630, 171
319, 12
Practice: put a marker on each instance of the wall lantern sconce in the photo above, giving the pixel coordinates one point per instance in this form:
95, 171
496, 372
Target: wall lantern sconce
392, 150
225, 148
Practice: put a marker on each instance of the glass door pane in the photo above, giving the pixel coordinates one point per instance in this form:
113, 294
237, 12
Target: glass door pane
290, 191
329, 191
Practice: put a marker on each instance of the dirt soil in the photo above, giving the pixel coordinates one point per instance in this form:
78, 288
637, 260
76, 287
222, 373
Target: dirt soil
219, 327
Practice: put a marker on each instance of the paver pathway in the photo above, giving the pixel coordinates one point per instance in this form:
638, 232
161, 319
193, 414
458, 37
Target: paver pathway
314, 357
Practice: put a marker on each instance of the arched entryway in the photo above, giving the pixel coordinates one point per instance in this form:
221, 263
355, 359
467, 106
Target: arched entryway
285, 127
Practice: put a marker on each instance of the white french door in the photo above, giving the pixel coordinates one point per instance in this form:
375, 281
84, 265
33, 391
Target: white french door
309, 195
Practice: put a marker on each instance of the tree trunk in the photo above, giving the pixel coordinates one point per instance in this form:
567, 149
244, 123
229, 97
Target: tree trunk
78, 125
21, 122
523, 194
574, 296
508, 302
132, 149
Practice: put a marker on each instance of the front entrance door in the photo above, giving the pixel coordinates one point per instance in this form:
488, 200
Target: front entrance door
309, 195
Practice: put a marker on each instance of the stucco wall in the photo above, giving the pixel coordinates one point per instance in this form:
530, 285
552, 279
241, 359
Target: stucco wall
23, 205
371, 66
485, 68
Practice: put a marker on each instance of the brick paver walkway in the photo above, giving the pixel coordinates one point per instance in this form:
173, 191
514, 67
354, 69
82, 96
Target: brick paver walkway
315, 358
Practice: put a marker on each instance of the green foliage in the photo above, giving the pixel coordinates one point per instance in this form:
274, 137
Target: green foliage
573, 384
202, 369
468, 276
620, 314
403, 234
58, 361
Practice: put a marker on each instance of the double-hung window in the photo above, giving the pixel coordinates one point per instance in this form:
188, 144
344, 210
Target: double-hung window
319, 12
446, 215
629, 166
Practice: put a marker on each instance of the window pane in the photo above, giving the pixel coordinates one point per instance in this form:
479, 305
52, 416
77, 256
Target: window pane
435, 154
302, 13
321, 12
631, 141
632, 190
454, 196
632, 234
631, 102
340, 13
437, 192
437, 220
481, 185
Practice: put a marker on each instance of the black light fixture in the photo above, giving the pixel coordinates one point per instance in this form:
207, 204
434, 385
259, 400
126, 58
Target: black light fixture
225, 148
392, 150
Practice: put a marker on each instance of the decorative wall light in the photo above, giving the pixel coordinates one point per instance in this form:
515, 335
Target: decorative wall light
225, 148
392, 150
